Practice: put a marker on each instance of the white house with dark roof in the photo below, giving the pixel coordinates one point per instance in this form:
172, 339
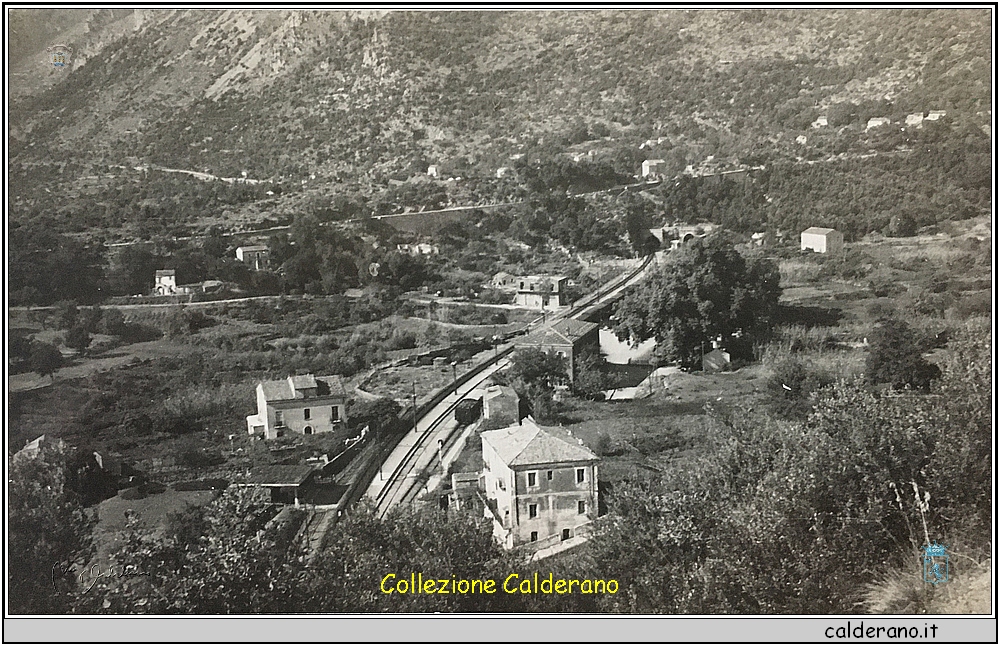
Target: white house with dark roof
567, 338
653, 167
539, 484
301, 404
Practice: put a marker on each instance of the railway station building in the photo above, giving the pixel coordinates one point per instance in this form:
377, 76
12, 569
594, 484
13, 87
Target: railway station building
567, 338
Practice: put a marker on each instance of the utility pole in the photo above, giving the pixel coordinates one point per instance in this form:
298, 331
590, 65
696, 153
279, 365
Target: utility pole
454, 376
414, 396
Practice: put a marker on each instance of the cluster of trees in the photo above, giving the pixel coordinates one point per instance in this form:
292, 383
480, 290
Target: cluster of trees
45, 267
29, 354
571, 221
705, 291
232, 558
48, 267
533, 374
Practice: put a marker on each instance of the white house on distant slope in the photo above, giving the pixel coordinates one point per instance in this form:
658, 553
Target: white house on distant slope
822, 240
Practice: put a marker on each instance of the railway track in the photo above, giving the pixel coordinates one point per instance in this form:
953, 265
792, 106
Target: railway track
403, 483
402, 486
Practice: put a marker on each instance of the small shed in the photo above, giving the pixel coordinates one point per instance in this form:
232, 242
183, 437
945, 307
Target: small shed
284, 480
822, 240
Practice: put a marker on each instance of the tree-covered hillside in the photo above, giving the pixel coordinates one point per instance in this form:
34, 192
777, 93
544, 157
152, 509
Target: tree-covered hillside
329, 105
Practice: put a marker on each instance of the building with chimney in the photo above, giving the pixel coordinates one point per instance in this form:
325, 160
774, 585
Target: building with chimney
303, 404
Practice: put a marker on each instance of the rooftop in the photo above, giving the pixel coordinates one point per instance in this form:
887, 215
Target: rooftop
279, 475
528, 444
166, 272
559, 333
253, 247
819, 230
290, 388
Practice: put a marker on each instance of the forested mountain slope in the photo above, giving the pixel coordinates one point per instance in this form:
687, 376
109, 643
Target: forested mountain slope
327, 104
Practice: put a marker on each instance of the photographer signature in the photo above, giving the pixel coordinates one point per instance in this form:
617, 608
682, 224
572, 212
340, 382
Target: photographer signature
95, 572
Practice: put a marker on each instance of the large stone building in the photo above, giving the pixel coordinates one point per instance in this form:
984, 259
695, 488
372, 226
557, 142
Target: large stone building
567, 338
302, 404
540, 484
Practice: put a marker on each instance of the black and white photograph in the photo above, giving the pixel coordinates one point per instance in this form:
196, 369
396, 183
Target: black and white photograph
417, 311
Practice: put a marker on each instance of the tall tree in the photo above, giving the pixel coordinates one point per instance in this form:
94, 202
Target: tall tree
48, 532
638, 222
704, 291
45, 359
78, 338
534, 375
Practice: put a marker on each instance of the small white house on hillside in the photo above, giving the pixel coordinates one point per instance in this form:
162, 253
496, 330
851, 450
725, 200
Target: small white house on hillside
822, 240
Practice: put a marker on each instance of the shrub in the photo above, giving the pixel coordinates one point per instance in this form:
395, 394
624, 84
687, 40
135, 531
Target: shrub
607, 447
791, 387
895, 358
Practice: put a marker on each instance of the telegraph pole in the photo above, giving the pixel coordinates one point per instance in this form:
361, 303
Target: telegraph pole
414, 396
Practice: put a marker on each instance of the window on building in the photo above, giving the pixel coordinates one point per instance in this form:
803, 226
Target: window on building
308, 430
581, 507
565, 534
279, 418
548, 476
501, 484
532, 511
334, 414
532, 479
306, 413
560, 354
534, 536
580, 474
